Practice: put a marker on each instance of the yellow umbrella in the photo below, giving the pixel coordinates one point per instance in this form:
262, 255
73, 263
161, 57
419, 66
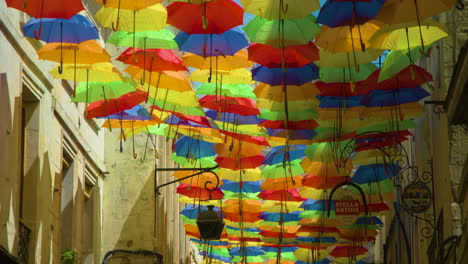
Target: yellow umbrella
280, 9
397, 11
344, 39
306, 91
347, 59
128, 4
237, 76
187, 98
98, 72
234, 175
224, 63
292, 105
408, 35
86, 52
152, 18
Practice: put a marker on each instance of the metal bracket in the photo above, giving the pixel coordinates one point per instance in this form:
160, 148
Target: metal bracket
201, 171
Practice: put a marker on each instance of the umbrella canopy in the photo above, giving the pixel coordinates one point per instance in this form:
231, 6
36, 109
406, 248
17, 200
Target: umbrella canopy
397, 12
410, 76
394, 96
408, 35
211, 17
293, 76
161, 39
133, 114
112, 106
98, 91
275, 93
288, 9
336, 75
232, 90
237, 76
224, 63
236, 105
147, 19
152, 59
199, 193
294, 56
166, 79
227, 43
47, 8
347, 59
344, 13
294, 32
87, 52
397, 60
98, 72
73, 30
128, 4
192, 148
347, 38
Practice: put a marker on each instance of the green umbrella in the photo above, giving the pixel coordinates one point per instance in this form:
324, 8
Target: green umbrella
162, 39
194, 163
397, 60
243, 195
385, 186
327, 151
293, 116
99, 91
296, 31
233, 90
335, 75
278, 171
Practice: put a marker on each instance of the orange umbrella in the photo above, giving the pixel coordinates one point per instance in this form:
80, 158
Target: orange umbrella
171, 80
282, 183
198, 181
86, 52
234, 148
275, 93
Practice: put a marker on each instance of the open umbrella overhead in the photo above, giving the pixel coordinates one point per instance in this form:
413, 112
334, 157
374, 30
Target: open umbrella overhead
152, 59
210, 17
344, 13
397, 12
347, 59
293, 76
176, 81
112, 106
280, 9
293, 31
226, 63
128, 4
294, 56
147, 19
98, 91
47, 8
207, 45
236, 105
87, 52
161, 39
76, 29
98, 72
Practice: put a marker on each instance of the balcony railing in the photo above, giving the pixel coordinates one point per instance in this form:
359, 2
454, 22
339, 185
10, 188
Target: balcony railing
24, 235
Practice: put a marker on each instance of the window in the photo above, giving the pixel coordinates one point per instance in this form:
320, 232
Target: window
89, 212
66, 199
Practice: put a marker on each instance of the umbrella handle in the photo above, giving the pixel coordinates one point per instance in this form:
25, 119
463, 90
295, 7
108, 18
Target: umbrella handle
38, 33
60, 68
115, 26
460, 5
25, 4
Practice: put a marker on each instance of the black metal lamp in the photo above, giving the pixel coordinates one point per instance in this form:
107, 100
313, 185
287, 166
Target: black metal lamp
210, 224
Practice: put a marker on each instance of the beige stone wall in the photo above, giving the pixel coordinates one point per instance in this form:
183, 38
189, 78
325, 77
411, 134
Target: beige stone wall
135, 216
51, 119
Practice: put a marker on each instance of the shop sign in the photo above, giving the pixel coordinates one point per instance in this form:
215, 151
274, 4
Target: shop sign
347, 208
416, 198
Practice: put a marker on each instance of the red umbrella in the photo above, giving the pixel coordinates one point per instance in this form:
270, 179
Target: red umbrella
152, 59
112, 106
410, 76
347, 251
47, 8
282, 195
237, 105
196, 119
277, 234
246, 217
199, 193
293, 125
343, 89
252, 139
295, 56
240, 164
211, 17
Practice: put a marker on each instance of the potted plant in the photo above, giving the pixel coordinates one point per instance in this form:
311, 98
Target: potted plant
69, 257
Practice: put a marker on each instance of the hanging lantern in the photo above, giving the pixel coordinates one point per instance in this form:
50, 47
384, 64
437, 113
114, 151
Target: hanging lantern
210, 224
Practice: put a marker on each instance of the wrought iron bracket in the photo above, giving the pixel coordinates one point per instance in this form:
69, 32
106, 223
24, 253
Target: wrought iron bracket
143, 252
200, 171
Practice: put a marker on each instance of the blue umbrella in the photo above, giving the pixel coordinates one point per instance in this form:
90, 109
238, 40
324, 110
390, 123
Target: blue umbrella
275, 217
353, 12
394, 97
317, 205
374, 173
340, 101
247, 186
207, 45
186, 146
277, 154
293, 76
246, 251
74, 30
292, 134
369, 220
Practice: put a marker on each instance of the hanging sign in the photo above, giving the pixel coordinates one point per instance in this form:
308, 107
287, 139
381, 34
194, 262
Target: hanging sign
416, 197
347, 208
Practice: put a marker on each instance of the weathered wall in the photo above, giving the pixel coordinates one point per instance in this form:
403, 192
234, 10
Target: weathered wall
51, 118
135, 216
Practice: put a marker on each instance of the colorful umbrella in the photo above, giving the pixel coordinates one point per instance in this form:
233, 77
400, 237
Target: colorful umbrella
294, 56
162, 39
98, 91
47, 8
112, 106
147, 19
73, 30
128, 4
232, 90
98, 72
236, 105
207, 45
225, 63
293, 31
345, 13
210, 17
292, 76
152, 59
394, 96
237, 76
280, 9
397, 12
